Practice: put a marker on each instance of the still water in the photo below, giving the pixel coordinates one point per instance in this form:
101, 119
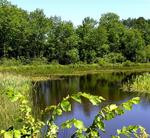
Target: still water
107, 85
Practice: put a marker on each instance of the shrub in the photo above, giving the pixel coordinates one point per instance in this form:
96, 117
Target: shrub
127, 63
55, 62
24, 60
10, 62
73, 55
102, 62
114, 57
39, 61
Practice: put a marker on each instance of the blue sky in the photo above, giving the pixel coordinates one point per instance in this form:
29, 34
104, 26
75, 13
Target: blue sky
76, 10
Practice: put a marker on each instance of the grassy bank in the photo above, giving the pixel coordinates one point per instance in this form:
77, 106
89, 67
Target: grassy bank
11, 88
8, 112
54, 70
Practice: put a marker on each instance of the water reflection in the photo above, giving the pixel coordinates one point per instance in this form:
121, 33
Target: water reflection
105, 84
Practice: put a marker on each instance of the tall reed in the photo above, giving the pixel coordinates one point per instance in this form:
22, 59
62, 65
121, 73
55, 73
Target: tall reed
11, 87
140, 84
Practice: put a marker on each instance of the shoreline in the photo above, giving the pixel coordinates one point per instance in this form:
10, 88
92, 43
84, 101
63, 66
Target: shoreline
51, 72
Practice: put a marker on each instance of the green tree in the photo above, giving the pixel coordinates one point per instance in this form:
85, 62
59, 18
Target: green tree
131, 43
61, 39
13, 27
85, 33
142, 25
39, 26
73, 55
115, 30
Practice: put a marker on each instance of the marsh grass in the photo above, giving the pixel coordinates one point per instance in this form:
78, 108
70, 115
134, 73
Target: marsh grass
11, 87
49, 70
140, 84
8, 112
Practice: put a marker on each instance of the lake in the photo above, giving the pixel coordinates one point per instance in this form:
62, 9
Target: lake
107, 85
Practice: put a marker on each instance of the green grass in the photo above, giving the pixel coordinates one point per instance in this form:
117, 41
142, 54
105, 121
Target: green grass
8, 112
140, 84
11, 87
54, 70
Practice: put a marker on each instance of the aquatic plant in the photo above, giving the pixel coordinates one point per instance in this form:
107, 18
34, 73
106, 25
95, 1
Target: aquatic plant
140, 84
16, 88
11, 88
32, 126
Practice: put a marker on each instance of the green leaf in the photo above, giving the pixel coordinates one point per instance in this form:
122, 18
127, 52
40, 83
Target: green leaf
65, 105
127, 105
52, 107
115, 136
17, 134
53, 129
28, 109
14, 99
118, 131
8, 134
94, 133
67, 124
76, 98
2, 131
88, 96
101, 98
100, 124
94, 100
24, 101
136, 100
78, 124
79, 135
119, 111
113, 107
109, 116
59, 111
19, 119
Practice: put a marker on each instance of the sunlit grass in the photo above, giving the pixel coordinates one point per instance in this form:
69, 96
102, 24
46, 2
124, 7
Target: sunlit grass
8, 112
10, 86
49, 70
140, 84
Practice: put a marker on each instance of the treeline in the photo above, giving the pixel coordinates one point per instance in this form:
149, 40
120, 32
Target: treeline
29, 35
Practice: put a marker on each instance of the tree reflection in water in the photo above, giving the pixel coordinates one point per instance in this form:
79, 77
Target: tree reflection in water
107, 85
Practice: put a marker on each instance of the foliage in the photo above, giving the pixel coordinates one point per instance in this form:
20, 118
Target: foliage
10, 62
17, 88
136, 131
102, 62
107, 113
73, 56
31, 35
11, 88
140, 84
31, 127
144, 55
114, 58
127, 63
39, 61
9, 112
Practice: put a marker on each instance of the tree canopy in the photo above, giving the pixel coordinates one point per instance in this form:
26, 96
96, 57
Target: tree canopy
27, 35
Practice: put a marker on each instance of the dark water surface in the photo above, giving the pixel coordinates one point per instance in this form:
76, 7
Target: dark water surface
107, 85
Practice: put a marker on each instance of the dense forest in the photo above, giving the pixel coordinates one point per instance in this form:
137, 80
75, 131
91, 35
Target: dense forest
29, 35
